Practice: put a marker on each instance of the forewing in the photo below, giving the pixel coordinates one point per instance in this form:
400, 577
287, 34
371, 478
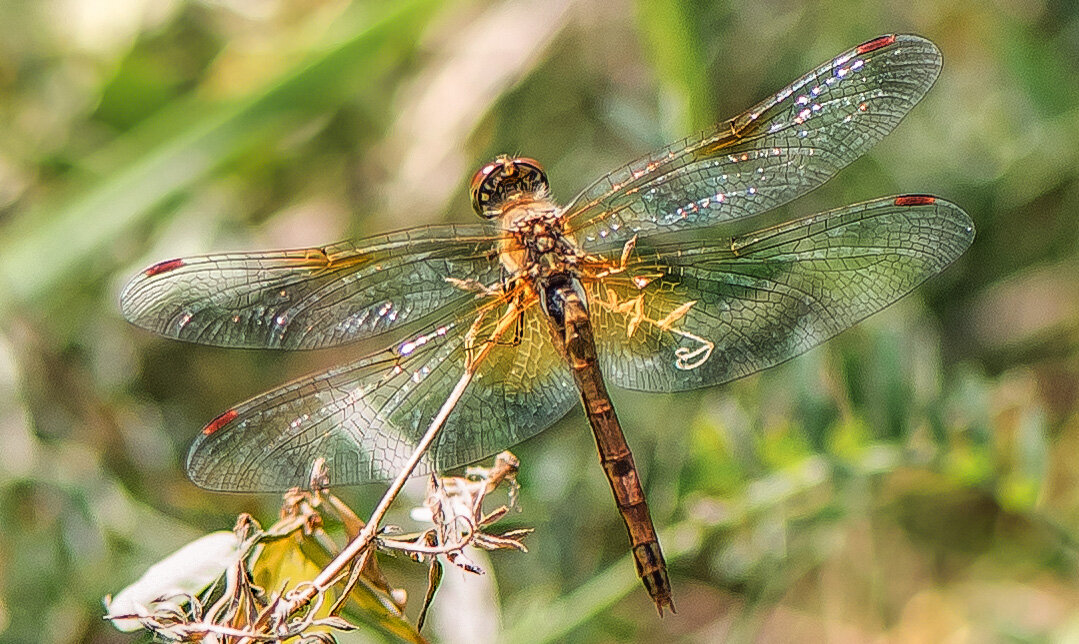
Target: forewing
782, 148
709, 311
365, 418
316, 297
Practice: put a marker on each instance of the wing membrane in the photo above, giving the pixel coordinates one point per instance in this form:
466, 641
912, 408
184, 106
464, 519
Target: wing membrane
782, 148
312, 298
365, 418
713, 311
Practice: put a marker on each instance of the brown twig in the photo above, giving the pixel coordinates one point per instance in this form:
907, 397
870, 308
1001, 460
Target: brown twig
361, 545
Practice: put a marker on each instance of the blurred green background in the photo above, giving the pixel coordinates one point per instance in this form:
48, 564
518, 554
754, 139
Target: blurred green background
914, 480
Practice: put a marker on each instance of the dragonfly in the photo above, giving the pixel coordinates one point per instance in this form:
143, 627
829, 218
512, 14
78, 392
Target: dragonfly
642, 280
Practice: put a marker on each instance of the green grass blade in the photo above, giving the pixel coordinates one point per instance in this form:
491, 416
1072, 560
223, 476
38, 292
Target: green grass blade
48, 246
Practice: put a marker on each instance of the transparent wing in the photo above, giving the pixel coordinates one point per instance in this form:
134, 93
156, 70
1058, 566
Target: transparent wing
775, 151
365, 418
709, 311
316, 297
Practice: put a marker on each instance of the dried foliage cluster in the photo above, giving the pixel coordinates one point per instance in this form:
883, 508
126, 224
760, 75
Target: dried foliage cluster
260, 585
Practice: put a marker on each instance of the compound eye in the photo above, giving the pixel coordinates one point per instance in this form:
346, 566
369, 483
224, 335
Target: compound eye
480, 188
502, 179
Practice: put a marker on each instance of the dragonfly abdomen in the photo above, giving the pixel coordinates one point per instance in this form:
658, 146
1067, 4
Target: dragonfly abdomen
564, 302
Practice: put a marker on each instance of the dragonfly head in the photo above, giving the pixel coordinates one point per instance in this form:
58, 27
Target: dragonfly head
503, 179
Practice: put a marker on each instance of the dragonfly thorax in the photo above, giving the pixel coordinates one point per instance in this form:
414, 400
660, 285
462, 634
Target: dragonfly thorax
536, 245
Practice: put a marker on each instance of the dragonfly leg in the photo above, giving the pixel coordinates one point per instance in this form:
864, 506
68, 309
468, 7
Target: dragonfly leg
518, 332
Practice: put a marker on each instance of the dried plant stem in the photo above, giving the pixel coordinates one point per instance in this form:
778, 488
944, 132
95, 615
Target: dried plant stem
360, 544
367, 534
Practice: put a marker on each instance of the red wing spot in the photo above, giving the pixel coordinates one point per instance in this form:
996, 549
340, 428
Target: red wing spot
915, 200
219, 422
163, 267
875, 44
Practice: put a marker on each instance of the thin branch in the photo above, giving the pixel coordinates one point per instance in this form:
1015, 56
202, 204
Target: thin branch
361, 545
